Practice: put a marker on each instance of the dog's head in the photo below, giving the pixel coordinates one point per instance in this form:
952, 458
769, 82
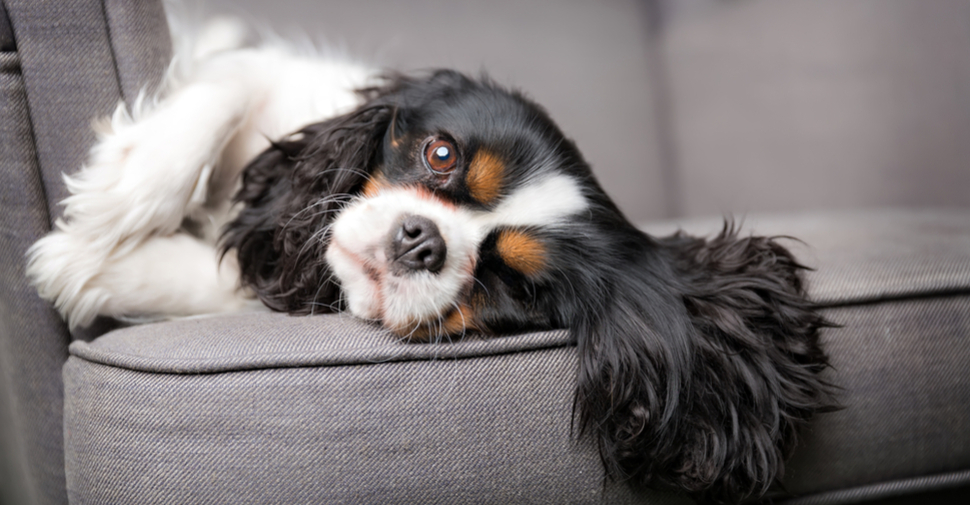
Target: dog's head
444, 204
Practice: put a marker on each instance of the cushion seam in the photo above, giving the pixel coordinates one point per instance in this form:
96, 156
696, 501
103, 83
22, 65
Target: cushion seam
885, 489
320, 359
900, 297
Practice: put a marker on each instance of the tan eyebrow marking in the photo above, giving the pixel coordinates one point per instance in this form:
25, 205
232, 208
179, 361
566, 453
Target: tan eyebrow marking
521, 251
486, 173
374, 185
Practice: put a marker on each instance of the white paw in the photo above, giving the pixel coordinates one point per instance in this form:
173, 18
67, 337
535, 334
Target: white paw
61, 267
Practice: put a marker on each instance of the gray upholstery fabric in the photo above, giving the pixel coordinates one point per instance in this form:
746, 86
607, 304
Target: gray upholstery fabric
62, 74
7, 42
814, 104
273, 340
943, 489
201, 409
33, 341
56, 40
903, 365
100, 45
140, 43
269, 408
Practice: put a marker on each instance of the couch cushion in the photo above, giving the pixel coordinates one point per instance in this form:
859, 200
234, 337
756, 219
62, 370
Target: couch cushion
902, 364
274, 340
267, 408
817, 104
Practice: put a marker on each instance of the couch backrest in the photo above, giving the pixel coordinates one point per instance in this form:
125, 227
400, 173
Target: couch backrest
819, 104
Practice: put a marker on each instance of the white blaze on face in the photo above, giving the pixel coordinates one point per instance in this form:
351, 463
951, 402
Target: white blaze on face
364, 228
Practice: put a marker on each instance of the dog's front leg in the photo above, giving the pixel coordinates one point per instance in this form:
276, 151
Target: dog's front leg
148, 171
146, 174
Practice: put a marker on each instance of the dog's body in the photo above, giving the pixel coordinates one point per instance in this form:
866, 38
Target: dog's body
436, 205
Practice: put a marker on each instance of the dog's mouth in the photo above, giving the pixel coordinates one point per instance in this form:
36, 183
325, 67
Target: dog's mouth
406, 260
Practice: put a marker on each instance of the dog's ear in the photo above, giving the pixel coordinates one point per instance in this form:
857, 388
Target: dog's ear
292, 192
702, 365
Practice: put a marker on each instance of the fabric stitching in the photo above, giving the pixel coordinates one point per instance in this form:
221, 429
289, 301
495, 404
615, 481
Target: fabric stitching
899, 487
901, 297
320, 359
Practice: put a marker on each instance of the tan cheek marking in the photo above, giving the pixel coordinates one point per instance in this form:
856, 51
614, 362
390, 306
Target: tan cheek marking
485, 176
375, 185
459, 320
456, 322
521, 251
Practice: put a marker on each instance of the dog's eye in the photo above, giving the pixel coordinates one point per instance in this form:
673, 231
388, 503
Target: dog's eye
441, 156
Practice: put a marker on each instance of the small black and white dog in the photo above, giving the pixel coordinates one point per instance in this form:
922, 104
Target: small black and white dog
435, 205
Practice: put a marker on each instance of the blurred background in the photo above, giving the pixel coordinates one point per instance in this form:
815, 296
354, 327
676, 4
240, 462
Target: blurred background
700, 107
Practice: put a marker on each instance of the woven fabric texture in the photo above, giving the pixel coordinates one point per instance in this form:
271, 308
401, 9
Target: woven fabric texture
102, 46
273, 340
951, 483
902, 365
493, 429
864, 256
59, 70
33, 341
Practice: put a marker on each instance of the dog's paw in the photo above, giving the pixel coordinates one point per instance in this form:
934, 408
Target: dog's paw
61, 266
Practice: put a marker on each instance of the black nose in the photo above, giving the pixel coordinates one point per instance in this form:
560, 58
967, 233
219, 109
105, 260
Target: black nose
417, 245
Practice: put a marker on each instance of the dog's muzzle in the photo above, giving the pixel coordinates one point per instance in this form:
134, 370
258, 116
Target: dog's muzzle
404, 257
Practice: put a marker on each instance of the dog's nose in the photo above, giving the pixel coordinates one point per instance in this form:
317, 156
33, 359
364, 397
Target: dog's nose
417, 245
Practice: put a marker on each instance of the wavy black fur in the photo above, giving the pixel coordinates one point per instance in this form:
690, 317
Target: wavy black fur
702, 364
290, 195
699, 359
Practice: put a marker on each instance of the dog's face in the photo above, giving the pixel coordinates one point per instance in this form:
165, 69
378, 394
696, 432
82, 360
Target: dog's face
457, 225
440, 205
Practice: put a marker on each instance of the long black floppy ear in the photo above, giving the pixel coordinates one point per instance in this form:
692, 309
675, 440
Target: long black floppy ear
290, 195
702, 365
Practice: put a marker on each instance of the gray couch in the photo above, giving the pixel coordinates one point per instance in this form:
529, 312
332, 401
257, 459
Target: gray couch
275, 409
